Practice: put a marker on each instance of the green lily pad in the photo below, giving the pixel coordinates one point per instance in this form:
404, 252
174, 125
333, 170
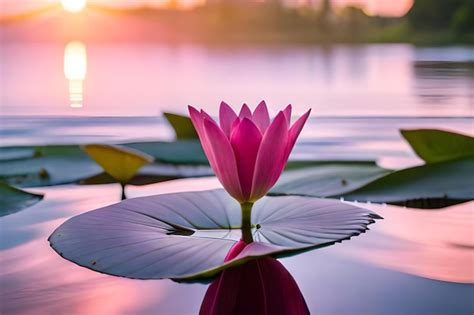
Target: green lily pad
13, 199
299, 164
182, 125
137, 180
433, 145
187, 235
16, 153
48, 165
433, 185
328, 179
176, 152
47, 170
154, 173
119, 162
444, 181
65, 164
57, 150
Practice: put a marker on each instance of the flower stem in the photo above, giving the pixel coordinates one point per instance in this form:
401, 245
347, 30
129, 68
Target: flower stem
247, 222
122, 185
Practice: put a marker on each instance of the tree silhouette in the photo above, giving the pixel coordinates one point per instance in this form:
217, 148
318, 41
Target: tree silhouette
439, 14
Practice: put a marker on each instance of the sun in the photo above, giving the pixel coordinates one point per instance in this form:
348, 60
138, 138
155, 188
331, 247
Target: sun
73, 5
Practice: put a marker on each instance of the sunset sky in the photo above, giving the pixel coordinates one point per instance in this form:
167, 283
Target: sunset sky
379, 7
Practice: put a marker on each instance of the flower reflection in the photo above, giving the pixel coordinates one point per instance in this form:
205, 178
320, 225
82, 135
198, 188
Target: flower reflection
75, 70
261, 286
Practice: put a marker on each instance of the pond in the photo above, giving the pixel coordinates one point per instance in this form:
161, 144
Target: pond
412, 262
144, 79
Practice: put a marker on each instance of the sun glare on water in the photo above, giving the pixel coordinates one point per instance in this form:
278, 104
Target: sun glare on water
75, 70
73, 5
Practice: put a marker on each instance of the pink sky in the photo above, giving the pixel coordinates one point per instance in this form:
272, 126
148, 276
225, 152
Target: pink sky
379, 7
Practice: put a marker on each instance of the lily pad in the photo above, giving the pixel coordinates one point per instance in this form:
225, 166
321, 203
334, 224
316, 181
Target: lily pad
433, 145
64, 164
299, 164
182, 125
328, 179
154, 173
119, 162
16, 153
176, 152
47, 170
13, 199
187, 235
433, 185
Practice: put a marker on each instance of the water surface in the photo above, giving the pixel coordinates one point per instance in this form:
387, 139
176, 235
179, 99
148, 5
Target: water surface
412, 262
145, 79
391, 269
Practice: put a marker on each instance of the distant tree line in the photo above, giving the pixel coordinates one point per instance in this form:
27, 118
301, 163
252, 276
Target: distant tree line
456, 15
428, 22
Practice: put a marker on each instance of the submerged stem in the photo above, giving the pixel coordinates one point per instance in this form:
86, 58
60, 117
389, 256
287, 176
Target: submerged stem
122, 185
247, 222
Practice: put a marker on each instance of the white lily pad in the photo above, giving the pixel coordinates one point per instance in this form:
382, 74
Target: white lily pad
187, 235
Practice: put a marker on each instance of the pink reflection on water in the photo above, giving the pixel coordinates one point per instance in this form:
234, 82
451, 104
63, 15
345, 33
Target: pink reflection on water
145, 78
436, 244
37, 283
35, 280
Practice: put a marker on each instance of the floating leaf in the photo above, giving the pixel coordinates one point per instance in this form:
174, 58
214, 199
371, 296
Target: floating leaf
299, 164
433, 185
119, 162
47, 170
176, 152
64, 164
437, 145
137, 180
182, 125
12, 153
328, 179
62, 150
154, 173
48, 165
13, 199
187, 235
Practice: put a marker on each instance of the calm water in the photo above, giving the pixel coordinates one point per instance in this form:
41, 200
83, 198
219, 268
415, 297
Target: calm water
392, 269
145, 79
413, 262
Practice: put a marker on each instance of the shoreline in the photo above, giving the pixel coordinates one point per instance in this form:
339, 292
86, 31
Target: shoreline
259, 25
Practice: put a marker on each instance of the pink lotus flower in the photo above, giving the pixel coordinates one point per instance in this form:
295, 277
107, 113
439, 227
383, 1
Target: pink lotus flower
247, 152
